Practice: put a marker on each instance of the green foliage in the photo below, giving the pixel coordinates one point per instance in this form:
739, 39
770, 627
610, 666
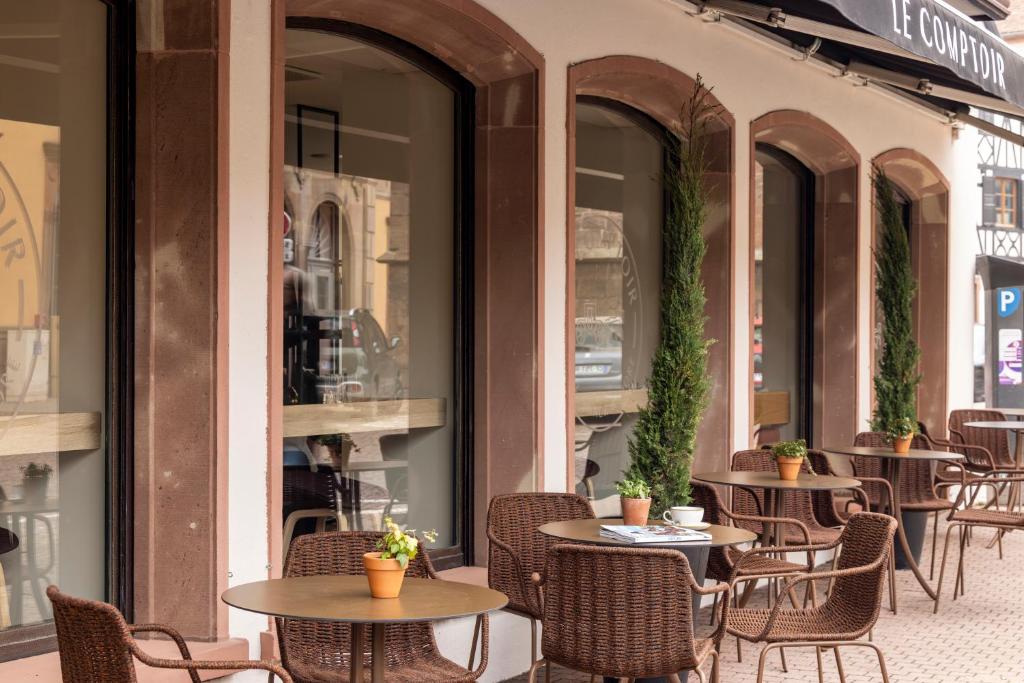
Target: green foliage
901, 428
897, 377
794, 450
400, 545
633, 488
662, 444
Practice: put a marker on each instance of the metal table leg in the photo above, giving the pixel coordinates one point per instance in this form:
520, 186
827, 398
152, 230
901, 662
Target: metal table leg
356, 662
379, 663
892, 468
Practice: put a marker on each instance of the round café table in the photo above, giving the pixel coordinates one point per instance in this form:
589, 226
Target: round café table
589, 531
891, 466
774, 489
346, 599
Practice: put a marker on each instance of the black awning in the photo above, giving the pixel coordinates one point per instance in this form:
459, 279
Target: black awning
923, 39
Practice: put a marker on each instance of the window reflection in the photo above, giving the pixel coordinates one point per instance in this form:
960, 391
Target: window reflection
369, 279
619, 215
53, 374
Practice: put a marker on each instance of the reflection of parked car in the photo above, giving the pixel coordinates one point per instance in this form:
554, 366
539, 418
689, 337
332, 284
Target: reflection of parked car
599, 354
356, 360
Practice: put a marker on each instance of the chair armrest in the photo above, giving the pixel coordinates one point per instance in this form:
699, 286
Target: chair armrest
723, 618
985, 453
516, 564
773, 520
884, 483
794, 581
169, 632
194, 665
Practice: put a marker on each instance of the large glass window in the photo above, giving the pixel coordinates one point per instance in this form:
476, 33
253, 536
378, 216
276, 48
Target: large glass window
53, 306
371, 418
620, 200
782, 297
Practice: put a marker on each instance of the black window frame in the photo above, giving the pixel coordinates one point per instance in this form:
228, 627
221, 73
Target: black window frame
19, 642
460, 554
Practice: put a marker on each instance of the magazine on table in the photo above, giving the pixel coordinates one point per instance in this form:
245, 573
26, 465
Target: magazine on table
653, 534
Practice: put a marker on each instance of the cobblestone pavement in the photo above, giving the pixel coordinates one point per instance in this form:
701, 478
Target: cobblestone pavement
977, 638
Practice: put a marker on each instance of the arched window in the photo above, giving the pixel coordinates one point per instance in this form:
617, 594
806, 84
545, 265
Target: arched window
375, 347
620, 157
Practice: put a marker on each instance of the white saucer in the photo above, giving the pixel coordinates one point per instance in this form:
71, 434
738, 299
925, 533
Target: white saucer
696, 526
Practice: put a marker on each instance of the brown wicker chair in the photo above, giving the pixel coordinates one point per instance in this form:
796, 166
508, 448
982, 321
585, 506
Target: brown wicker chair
798, 506
599, 619
992, 446
96, 644
314, 652
852, 606
964, 517
917, 483
517, 550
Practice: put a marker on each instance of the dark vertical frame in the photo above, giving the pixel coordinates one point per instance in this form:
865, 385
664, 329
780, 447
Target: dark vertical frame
19, 642
300, 109
465, 126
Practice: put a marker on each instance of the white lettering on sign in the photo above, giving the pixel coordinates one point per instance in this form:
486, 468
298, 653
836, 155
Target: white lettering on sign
949, 40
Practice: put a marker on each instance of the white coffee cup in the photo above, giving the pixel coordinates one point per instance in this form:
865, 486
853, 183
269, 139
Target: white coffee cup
683, 514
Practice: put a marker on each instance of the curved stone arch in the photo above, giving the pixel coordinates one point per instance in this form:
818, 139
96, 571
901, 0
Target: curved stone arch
926, 186
507, 74
835, 164
660, 91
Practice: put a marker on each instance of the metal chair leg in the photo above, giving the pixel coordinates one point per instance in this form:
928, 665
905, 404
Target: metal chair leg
942, 566
935, 533
839, 665
821, 668
531, 676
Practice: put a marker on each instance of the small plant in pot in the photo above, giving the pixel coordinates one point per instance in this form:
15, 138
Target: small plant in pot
35, 479
789, 457
635, 496
385, 569
901, 433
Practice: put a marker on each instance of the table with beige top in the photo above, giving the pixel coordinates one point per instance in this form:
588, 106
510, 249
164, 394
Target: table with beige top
589, 531
774, 489
891, 466
346, 599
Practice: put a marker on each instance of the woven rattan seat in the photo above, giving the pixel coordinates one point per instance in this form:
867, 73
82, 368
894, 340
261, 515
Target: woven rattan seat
317, 652
96, 644
600, 619
985, 516
917, 491
853, 603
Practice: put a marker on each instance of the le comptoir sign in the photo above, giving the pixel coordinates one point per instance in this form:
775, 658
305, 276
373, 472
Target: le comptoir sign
948, 39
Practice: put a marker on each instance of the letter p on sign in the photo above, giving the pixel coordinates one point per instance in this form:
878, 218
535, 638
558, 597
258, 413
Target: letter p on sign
1009, 301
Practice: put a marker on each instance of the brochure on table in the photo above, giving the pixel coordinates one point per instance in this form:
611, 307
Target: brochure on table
653, 534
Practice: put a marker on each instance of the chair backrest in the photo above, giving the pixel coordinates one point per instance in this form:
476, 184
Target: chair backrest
796, 504
513, 520
995, 440
916, 476
319, 644
618, 612
824, 501
93, 640
855, 600
707, 497
304, 489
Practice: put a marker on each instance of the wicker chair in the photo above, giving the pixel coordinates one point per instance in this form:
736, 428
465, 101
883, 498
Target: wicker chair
314, 651
517, 550
852, 606
917, 484
600, 619
96, 644
992, 446
964, 517
798, 507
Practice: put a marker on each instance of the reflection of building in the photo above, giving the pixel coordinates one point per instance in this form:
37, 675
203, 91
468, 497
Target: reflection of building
475, 195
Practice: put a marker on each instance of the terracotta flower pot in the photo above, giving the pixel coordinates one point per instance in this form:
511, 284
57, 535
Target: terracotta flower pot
385, 576
902, 444
635, 511
789, 468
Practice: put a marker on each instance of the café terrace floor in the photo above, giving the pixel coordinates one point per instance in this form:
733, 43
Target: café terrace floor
976, 639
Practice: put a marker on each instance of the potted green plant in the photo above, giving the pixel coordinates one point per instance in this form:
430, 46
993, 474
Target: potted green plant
35, 480
901, 433
385, 568
635, 496
789, 457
